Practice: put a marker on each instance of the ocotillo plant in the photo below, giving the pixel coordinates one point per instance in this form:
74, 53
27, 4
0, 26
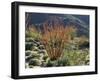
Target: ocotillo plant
55, 36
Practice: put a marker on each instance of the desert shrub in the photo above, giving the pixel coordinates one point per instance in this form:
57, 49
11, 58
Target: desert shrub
62, 62
83, 42
28, 39
28, 58
77, 57
87, 62
51, 63
34, 62
28, 53
28, 45
71, 32
45, 57
78, 43
54, 38
32, 32
36, 56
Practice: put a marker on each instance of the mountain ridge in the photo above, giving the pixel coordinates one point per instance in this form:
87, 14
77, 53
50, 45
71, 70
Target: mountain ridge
81, 22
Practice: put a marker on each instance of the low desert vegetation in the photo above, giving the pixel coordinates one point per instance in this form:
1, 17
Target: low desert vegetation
55, 45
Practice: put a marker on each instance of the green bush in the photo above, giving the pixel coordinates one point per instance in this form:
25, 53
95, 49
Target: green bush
77, 57
34, 35
51, 63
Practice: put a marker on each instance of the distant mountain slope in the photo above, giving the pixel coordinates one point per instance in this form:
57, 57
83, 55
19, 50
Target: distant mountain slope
81, 22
